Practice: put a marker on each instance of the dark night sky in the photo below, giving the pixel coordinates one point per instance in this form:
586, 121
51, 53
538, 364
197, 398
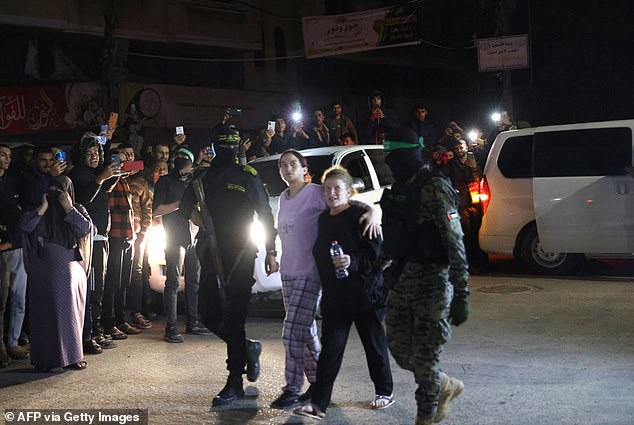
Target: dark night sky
583, 61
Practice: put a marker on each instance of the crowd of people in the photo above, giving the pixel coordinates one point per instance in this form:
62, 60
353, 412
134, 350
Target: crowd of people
73, 263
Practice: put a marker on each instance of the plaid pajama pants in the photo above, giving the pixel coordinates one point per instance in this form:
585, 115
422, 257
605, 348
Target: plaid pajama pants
301, 342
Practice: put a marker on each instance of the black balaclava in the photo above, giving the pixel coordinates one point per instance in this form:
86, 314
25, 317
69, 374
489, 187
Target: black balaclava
226, 141
180, 163
404, 163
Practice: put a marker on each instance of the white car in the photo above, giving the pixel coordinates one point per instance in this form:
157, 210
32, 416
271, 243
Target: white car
366, 164
554, 195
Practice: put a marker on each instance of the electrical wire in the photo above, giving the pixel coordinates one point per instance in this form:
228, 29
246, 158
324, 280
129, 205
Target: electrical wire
265, 59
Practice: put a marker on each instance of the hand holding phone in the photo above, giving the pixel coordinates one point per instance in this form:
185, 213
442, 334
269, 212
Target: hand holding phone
180, 130
60, 156
271, 126
115, 160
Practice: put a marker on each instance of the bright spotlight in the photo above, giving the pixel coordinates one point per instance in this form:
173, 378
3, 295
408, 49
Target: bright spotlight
496, 116
257, 234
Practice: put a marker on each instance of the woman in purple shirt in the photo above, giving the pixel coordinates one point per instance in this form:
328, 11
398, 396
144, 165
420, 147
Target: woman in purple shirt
299, 208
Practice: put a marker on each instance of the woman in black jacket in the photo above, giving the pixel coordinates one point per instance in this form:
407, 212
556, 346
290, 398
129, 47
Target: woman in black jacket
347, 300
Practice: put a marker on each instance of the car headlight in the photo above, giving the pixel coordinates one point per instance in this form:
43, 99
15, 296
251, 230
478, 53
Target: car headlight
257, 234
156, 241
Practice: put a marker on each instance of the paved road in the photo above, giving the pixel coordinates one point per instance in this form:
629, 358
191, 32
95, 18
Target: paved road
535, 351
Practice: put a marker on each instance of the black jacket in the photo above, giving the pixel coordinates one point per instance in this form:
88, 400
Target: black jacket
93, 196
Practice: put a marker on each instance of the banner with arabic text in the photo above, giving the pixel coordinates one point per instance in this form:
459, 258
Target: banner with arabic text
50, 107
356, 32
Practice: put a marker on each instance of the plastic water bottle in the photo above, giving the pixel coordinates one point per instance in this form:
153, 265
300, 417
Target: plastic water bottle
336, 251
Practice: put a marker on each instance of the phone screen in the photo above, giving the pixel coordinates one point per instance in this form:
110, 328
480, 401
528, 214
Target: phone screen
112, 121
60, 156
115, 159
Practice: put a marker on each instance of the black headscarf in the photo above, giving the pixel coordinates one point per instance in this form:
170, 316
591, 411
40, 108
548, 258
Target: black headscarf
52, 226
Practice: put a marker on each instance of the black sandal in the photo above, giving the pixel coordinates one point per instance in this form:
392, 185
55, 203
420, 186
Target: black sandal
78, 366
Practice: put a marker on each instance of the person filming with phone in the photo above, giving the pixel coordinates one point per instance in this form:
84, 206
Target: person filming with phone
92, 181
35, 182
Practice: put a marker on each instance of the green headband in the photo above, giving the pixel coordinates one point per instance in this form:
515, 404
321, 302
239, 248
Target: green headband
187, 152
390, 145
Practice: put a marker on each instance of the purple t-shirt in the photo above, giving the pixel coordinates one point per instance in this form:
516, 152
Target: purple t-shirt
297, 228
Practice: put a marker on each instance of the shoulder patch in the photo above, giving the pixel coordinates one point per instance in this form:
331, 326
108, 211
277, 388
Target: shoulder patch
453, 215
250, 170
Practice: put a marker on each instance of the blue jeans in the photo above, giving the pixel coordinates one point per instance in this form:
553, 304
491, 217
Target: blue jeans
13, 290
177, 257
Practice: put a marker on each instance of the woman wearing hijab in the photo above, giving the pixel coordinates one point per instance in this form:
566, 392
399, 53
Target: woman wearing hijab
57, 253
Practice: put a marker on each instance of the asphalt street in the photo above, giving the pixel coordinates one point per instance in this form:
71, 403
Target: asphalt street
534, 351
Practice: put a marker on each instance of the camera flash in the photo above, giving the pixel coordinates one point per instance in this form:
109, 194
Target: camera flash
496, 116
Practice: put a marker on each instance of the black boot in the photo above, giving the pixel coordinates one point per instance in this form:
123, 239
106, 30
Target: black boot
254, 349
231, 392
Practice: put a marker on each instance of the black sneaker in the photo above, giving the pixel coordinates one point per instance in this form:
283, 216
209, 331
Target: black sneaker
172, 335
287, 400
198, 328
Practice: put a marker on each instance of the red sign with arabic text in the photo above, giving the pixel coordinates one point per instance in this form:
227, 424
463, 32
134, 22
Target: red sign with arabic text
32, 109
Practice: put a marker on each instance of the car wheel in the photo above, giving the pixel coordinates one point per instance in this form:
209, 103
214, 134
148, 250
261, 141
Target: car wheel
544, 262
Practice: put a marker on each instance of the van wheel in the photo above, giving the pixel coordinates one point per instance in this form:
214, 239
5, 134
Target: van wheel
543, 262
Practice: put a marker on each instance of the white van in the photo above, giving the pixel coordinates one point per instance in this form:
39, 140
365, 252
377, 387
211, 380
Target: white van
554, 195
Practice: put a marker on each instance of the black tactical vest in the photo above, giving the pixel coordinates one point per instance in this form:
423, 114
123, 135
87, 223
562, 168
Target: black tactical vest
404, 238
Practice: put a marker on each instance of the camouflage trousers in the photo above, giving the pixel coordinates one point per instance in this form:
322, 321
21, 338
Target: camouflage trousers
418, 327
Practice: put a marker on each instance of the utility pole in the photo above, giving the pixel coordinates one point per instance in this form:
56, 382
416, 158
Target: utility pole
503, 28
114, 60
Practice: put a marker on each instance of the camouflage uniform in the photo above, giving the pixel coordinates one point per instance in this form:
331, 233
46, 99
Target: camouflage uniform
418, 307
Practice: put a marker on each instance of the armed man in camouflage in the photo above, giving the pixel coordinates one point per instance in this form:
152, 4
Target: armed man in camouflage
428, 277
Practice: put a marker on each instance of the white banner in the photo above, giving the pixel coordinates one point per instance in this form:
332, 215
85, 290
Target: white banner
356, 32
503, 53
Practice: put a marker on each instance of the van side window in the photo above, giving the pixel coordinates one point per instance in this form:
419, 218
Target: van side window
586, 152
515, 156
